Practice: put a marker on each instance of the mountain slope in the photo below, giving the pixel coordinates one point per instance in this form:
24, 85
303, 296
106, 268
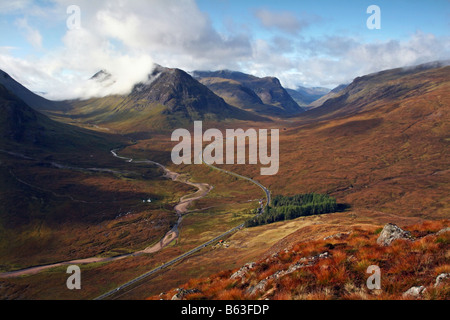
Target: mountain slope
31, 99
22, 128
383, 145
388, 159
262, 95
332, 94
332, 265
60, 186
170, 98
305, 96
367, 92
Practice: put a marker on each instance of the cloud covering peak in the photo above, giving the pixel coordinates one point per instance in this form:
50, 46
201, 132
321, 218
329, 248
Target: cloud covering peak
126, 38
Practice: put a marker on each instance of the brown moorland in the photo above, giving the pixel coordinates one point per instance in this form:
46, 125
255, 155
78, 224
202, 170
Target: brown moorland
335, 267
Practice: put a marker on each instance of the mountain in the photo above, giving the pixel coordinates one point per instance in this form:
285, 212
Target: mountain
31, 99
368, 92
298, 97
384, 152
169, 98
180, 93
25, 129
304, 96
332, 94
260, 95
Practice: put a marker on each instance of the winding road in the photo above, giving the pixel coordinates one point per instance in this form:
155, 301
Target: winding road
180, 209
171, 235
190, 252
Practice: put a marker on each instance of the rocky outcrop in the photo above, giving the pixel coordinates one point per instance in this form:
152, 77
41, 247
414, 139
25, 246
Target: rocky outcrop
260, 287
415, 292
243, 271
443, 231
183, 293
440, 279
339, 235
302, 263
390, 233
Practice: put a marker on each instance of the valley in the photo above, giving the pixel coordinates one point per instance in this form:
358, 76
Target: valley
379, 146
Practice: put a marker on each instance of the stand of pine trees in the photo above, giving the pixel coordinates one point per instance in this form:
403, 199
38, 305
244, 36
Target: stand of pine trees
287, 208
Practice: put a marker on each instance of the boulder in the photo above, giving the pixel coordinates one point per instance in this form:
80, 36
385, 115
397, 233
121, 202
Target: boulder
441, 279
414, 292
390, 233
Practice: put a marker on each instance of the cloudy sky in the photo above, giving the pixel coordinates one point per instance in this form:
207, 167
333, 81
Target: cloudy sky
302, 42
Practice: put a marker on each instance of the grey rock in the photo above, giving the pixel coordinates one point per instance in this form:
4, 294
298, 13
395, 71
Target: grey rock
183, 292
339, 235
390, 233
261, 286
243, 271
443, 231
441, 279
414, 292
303, 262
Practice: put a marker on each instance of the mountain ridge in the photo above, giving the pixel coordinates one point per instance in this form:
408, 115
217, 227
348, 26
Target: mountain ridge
366, 91
241, 90
32, 99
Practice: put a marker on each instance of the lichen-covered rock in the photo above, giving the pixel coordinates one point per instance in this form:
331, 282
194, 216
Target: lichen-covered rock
390, 233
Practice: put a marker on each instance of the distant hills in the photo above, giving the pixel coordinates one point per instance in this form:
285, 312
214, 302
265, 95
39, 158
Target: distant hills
171, 98
367, 92
333, 93
305, 96
380, 143
260, 95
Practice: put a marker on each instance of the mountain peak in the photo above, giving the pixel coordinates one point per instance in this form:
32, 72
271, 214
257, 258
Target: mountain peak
101, 75
262, 95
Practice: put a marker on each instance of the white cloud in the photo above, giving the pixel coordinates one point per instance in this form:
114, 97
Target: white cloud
33, 35
14, 6
283, 20
331, 61
126, 37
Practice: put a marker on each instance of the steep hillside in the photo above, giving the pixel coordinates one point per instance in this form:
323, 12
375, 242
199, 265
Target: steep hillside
31, 99
368, 92
332, 94
22, 128
262, 95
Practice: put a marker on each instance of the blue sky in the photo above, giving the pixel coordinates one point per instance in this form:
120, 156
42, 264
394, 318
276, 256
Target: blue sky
302, 42
400, 17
